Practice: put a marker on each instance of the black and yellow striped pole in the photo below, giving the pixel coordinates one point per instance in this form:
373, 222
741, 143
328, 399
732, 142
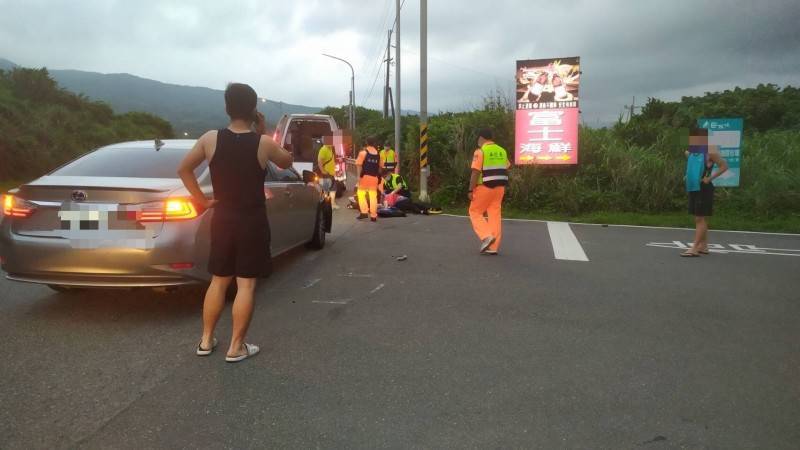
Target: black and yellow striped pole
423, 146
424, 170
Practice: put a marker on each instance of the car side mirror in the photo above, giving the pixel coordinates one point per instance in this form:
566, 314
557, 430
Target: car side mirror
309, 177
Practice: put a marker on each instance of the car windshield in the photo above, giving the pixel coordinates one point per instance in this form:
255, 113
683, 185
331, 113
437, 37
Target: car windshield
134, 162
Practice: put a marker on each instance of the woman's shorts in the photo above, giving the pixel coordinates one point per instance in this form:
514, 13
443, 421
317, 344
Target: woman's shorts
701, 202
326, 184
240, 244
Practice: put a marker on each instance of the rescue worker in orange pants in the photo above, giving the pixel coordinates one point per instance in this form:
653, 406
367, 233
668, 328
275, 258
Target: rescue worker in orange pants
369, 165
487, 186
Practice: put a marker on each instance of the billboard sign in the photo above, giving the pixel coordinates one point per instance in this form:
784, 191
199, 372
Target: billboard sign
727, 134
547, 111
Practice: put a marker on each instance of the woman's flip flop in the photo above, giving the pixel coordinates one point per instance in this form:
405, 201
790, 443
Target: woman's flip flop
251, 351
688, 254
205, 352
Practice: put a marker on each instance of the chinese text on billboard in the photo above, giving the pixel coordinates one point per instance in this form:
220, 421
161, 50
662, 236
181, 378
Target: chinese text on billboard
547, 111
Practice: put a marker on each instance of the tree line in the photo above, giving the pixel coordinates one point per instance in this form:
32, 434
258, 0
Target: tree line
43, 126
632, 166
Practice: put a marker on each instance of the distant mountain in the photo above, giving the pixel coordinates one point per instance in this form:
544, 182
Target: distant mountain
6, 64
189, 109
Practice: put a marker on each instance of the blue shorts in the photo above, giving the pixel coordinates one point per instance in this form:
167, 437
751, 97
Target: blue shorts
326, 184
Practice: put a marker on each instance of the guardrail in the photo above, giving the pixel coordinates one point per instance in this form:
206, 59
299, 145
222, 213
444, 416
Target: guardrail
352, 174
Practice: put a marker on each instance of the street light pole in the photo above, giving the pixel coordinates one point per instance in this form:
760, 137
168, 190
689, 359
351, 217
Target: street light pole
397, 111
424, 169
352, 112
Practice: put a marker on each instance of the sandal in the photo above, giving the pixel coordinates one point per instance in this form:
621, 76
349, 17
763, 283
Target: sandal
690, 254
251, 349
205, 352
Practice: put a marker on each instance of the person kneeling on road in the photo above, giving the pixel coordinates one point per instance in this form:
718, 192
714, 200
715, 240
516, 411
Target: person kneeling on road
398, 195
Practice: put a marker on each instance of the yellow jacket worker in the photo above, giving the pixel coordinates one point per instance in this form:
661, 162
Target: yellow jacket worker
389, 157
326, 167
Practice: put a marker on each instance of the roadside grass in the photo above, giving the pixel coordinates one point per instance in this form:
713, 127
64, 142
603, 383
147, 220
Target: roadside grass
722, 220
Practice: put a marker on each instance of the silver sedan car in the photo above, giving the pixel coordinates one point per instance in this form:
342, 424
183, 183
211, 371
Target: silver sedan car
120, 217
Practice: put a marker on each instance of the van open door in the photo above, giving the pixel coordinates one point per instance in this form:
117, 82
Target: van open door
302, 134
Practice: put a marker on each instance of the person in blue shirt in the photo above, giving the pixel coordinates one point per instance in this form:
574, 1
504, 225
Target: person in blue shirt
700, 160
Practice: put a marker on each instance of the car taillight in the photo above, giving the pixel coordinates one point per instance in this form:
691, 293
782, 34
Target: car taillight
170, 209
16, 207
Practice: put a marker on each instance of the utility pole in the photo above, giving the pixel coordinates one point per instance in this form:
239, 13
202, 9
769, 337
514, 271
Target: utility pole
397, 109
386, 88
424, 170
632, 108
391, 102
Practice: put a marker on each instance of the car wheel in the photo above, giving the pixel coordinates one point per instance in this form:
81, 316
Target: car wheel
65, 289
318, 239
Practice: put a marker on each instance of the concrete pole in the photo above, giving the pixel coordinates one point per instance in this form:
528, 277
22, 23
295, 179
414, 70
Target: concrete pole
424, 169
353, 102
397, 110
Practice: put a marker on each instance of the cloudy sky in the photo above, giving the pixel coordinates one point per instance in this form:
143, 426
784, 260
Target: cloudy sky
629, 48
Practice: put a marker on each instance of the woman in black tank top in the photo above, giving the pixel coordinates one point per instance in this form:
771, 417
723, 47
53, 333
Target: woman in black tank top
236, 174
239, 228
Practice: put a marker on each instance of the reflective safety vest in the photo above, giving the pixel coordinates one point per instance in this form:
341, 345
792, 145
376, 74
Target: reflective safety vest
389, 159
495, 166
372, 165
325, 159
394, 181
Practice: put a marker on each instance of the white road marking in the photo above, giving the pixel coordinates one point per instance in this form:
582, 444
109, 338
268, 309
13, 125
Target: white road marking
748, 249
312, 283
380, 286
333, 302
565, 244
357, 275
638, 226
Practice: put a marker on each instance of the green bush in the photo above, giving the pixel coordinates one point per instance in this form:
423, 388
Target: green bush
43, 126
636, 166
631, 167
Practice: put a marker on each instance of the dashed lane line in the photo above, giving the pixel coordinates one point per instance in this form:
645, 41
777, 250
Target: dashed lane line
565, 244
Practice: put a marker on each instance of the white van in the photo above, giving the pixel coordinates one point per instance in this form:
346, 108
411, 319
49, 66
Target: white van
301, 135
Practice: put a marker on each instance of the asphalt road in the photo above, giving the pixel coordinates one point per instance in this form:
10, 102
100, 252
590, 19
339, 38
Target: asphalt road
634, 348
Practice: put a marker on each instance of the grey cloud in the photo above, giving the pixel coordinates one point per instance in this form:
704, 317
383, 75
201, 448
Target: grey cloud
641, 48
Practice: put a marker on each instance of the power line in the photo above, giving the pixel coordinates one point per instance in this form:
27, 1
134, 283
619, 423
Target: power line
377, 48
401, 9
381, 62
488, 75
375, 80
